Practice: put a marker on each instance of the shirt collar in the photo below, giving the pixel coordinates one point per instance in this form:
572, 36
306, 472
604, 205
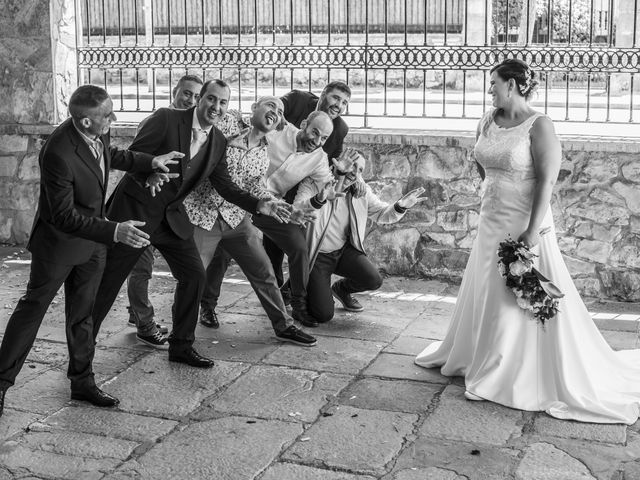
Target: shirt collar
196, 123
90, 141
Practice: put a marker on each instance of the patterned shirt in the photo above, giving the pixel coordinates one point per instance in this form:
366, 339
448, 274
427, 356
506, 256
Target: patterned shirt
247, 169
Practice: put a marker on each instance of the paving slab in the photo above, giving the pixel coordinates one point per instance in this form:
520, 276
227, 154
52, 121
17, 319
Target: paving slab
392, 395
14, 422
109, 423
232, 448
429, 473
49, 464
239, 326
49, 353
353, 439
279, 393
78, 444
407, 345
607, 433
44, 394
472, 461
236, 349
109, 362
338, 355
456, 418
291, 471
156, 386
403, 367
433, 322
621, 340
543, 461
363, 326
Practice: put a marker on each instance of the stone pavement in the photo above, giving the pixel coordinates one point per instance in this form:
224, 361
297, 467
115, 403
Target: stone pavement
354, 407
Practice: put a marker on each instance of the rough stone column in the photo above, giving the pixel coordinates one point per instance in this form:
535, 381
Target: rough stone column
65, 25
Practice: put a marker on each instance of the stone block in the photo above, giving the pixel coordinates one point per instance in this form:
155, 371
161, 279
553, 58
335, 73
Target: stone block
8, 166
108, 423
594, 250
631, 171
471, 461
626, 256
589, 286
44, 394
601, 213
624, 285
456, 418
394, 251
29, 168
543, 461
406, 345
6, 225
394, 166
391, 395
452, 219
242, 448
403, 367
544, 425
443, 163
154, 385
597, 169
41, 463
13, 144
292, 471
352, 439
14, 422
279, 393
78, 444
428, 473
340, 355
631, 195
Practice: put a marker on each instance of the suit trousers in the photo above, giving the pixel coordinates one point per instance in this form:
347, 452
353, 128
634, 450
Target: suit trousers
215, 274
80, 286
244, 244
348, 262
291, 240
140, 307
186, 267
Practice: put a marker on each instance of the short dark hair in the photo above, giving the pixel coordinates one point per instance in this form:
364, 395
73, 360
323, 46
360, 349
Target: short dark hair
521, 73
187, 78
216, 81
84, 98
337, 85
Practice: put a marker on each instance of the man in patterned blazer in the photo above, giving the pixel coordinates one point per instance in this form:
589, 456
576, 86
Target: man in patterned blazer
218, 222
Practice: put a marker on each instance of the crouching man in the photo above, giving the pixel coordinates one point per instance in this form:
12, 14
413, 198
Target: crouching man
336, 243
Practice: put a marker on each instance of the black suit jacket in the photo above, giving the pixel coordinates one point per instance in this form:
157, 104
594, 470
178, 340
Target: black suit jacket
71, 209
299, 104
164, 131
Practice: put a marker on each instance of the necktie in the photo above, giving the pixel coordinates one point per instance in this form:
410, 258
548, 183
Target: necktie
198, 139
98, 151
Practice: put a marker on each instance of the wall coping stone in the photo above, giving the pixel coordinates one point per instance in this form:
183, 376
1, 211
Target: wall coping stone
445, 138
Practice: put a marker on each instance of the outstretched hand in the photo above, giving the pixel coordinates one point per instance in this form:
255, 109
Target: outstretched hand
128, 234
161, 161
330, 191
155, 180
359, 187
278, 209
411, 198
302, 215
237, 140
344, 163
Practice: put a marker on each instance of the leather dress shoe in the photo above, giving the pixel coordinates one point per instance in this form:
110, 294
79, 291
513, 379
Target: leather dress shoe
208, 317
95, 396
2, 394
304, 317
190, 357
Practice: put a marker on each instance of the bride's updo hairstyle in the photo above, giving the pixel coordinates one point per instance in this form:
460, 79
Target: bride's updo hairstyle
521, 73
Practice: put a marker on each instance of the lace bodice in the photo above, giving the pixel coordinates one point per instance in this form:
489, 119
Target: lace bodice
505, 152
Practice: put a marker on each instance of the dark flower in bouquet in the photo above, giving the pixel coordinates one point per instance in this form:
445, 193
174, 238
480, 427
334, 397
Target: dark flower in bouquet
533, 291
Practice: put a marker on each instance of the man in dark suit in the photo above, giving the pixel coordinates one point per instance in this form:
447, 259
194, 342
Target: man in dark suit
69, 238
192, 132
298, 104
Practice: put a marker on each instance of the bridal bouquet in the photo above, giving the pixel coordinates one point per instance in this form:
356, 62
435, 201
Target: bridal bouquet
533, 291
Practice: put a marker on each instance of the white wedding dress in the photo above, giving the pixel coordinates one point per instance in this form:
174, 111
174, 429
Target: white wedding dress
566, 369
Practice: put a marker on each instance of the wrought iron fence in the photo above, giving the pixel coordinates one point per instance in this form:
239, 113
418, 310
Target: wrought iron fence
407, 59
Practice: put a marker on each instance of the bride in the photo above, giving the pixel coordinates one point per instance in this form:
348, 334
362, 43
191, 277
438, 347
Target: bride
566, 368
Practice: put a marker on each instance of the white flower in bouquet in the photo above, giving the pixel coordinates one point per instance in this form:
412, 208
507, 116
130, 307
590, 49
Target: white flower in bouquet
519, 293
502, 269
518, 268
524, 304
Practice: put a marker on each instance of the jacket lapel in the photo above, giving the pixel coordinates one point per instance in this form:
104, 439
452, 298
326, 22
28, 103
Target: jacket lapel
85, 154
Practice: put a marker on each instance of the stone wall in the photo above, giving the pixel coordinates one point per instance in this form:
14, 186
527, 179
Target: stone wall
596, 203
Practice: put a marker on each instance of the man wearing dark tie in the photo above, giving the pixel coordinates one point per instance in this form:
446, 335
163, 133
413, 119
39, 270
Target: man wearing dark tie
69, 238
193, 133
